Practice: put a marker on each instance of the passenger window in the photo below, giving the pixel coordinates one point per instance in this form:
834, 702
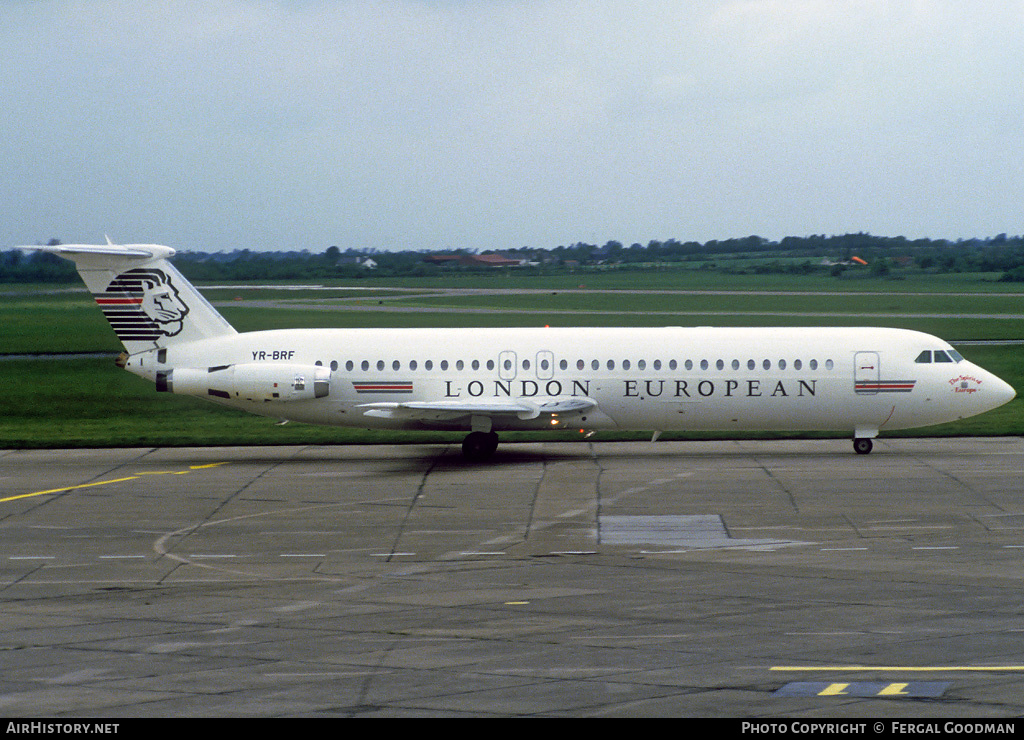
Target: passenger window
941, 356
797, 364
925, 357
563, 364
380, 364
365, 365
829, 364
490, 364
703, 364
767, 364
625, 364
396, 365
751, 364
720, 364
428, 365
782, 364
641, 364
611, 364
814, 364
735, 364
657, 364
476, 364
412, 364
580, 364
595, 364
348, 365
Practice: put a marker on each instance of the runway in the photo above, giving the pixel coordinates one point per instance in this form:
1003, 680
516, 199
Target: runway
718, 579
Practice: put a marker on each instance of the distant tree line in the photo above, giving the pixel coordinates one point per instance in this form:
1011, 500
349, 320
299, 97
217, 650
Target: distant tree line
1001, 255
35, 267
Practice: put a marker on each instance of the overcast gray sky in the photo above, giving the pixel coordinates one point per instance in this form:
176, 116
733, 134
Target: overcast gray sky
490, 124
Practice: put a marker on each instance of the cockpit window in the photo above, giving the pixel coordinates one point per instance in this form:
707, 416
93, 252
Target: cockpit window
939, 355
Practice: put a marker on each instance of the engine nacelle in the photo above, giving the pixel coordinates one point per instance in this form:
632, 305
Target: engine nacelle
271, 382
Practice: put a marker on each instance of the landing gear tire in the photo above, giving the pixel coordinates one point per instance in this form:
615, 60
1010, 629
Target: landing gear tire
479, 445
862, 445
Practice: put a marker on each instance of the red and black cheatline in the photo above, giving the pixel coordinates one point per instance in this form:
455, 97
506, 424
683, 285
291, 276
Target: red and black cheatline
884, 386
383, 386
123, 305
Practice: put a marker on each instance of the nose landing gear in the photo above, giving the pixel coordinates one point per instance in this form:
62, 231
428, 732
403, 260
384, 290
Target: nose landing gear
862, 445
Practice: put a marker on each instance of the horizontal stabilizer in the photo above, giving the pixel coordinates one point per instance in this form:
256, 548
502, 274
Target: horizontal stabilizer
134, 251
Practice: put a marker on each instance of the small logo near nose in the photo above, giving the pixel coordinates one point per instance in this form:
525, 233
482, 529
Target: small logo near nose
965, 384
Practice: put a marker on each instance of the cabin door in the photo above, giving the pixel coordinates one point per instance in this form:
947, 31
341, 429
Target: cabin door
867, 372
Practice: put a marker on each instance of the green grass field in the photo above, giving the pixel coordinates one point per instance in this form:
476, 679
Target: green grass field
88, 402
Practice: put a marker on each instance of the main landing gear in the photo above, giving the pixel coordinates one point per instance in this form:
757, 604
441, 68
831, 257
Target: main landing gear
862, 445
479, 445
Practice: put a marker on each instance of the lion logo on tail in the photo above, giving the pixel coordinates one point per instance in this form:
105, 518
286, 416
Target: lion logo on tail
143, 305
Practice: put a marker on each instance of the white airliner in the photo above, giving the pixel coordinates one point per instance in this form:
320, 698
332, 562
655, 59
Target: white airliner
858, 380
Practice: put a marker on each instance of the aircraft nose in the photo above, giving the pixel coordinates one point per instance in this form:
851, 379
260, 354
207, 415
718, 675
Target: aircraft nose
995, 391
1002, 391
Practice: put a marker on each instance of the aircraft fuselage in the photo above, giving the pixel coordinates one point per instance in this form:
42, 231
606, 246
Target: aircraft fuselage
671, 378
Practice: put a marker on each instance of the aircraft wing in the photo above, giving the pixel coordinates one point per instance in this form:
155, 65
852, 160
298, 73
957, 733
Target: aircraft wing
447, 410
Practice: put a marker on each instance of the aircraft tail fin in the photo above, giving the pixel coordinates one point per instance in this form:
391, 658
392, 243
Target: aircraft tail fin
148, 303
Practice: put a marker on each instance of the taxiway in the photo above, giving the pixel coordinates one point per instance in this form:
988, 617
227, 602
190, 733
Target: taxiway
785, 578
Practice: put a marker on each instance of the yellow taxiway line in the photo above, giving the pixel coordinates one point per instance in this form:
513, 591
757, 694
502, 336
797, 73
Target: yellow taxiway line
65, 489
